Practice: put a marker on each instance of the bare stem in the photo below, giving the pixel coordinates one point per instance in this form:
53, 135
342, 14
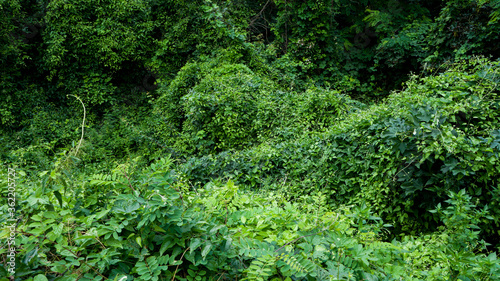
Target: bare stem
83, 123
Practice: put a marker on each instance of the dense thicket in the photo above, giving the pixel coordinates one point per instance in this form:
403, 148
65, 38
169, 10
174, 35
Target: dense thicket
250, 140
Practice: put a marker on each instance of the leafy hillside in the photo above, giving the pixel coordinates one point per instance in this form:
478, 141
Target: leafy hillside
249, 140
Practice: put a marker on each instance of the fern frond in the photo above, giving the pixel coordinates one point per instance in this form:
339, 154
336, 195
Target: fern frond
254, 248
261, 268
297, 265
149, 269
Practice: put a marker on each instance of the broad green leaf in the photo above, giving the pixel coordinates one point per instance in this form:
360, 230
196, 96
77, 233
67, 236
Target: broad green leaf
40, 277
195, 243
206, 250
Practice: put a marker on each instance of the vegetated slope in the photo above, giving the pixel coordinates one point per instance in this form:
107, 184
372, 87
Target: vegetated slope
149, 224
333, 179
401, 157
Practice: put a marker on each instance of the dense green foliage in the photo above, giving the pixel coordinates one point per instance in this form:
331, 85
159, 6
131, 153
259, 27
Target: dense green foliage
150, 225
439, 134
249, 140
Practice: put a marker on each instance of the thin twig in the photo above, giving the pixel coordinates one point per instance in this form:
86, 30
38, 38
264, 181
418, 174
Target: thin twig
128, 179
76, 255
175, 272
83, 123
221, 276
85, 263
411, 162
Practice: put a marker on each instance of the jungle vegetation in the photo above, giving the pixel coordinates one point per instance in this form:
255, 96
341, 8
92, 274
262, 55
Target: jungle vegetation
249, 140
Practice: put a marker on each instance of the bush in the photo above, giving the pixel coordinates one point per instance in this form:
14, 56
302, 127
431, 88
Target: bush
148, 224
211, 107
400, 157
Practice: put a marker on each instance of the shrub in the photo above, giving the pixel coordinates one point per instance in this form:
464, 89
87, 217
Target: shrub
400, 157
